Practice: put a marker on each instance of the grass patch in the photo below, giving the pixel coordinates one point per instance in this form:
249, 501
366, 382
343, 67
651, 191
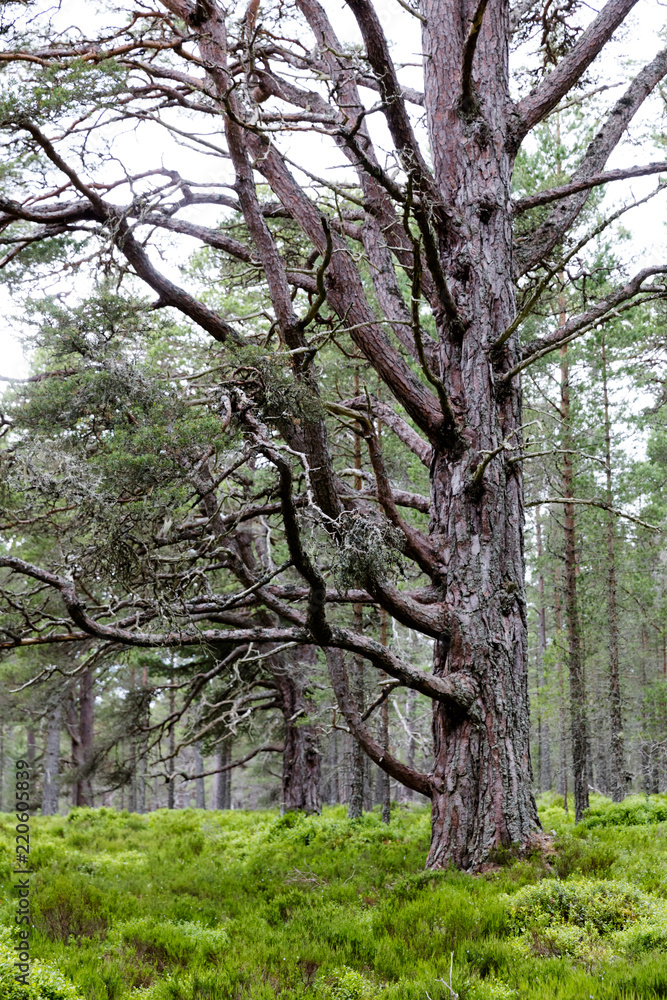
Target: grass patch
194, 905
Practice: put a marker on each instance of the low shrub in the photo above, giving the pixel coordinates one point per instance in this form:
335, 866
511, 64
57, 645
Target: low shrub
636, 810
164, 942
44, 981
69, 906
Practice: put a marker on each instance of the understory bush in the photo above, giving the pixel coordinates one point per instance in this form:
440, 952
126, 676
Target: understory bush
44, 981
202, 905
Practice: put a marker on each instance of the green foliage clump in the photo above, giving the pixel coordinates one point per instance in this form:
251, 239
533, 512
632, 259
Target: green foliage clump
573, 917
202, 905
69, 906
636, 810
44, 981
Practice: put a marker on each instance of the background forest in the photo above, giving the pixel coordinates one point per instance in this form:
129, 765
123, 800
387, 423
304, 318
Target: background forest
333, 562
132, 729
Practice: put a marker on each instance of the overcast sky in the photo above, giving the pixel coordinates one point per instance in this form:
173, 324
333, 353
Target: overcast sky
638, 40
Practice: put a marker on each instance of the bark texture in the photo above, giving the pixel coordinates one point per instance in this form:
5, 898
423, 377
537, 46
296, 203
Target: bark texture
578, 715
301, 754
618, 776
481, 798
50, 790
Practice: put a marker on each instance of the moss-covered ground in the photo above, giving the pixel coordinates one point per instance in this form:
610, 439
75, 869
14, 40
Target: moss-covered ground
193, 905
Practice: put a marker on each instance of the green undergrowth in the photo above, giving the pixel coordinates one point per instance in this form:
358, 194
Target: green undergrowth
194, 905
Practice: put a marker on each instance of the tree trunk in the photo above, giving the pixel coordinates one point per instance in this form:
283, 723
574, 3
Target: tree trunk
544, 741
132, 804
86, 736
200, 796
334, 788
410, 739
618, 780
50, 791
222, 781
384, 787
143, 751
579, 725
172, 745
356, 804
481, 783
301, 755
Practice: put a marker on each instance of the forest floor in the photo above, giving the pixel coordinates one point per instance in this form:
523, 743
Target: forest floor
194, 905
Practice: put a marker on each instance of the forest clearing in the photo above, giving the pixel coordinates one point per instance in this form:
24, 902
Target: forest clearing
189, 905
333, 507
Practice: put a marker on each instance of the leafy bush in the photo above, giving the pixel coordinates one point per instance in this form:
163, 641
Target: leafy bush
164, 942
578, 916
67, 906
346, 984
636, 810
45, 982
193, 905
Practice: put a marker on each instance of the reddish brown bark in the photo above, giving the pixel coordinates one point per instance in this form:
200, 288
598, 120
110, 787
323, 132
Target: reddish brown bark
301, 754
449, 230
579, 724
618, 778
543, 734
481, 796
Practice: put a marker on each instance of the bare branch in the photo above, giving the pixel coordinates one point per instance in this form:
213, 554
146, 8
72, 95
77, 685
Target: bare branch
538, 104
574, 187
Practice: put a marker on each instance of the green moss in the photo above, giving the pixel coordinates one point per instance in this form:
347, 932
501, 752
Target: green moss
187, 904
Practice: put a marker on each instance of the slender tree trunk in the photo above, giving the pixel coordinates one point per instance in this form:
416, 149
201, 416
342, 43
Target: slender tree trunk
200, 797
172, 744
410, 738
2, 766
383, 777
301, 756
222, 781
356, 804
562, 704
579, 725
618, 781
30, 747
334, 785
132, 804
215, 791
544, 740
50, 791
87, 737
226, 783
143, 753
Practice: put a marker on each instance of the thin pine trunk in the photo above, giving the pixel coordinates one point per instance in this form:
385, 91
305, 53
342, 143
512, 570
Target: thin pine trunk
356, 804
410, 738
50, 790
172, 744
618, 781
383, 782
132, 805
544, 738
562, 707
579, 725
86, 737
143, 754
200, 795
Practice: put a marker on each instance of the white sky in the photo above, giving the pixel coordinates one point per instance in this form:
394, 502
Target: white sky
637, 41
